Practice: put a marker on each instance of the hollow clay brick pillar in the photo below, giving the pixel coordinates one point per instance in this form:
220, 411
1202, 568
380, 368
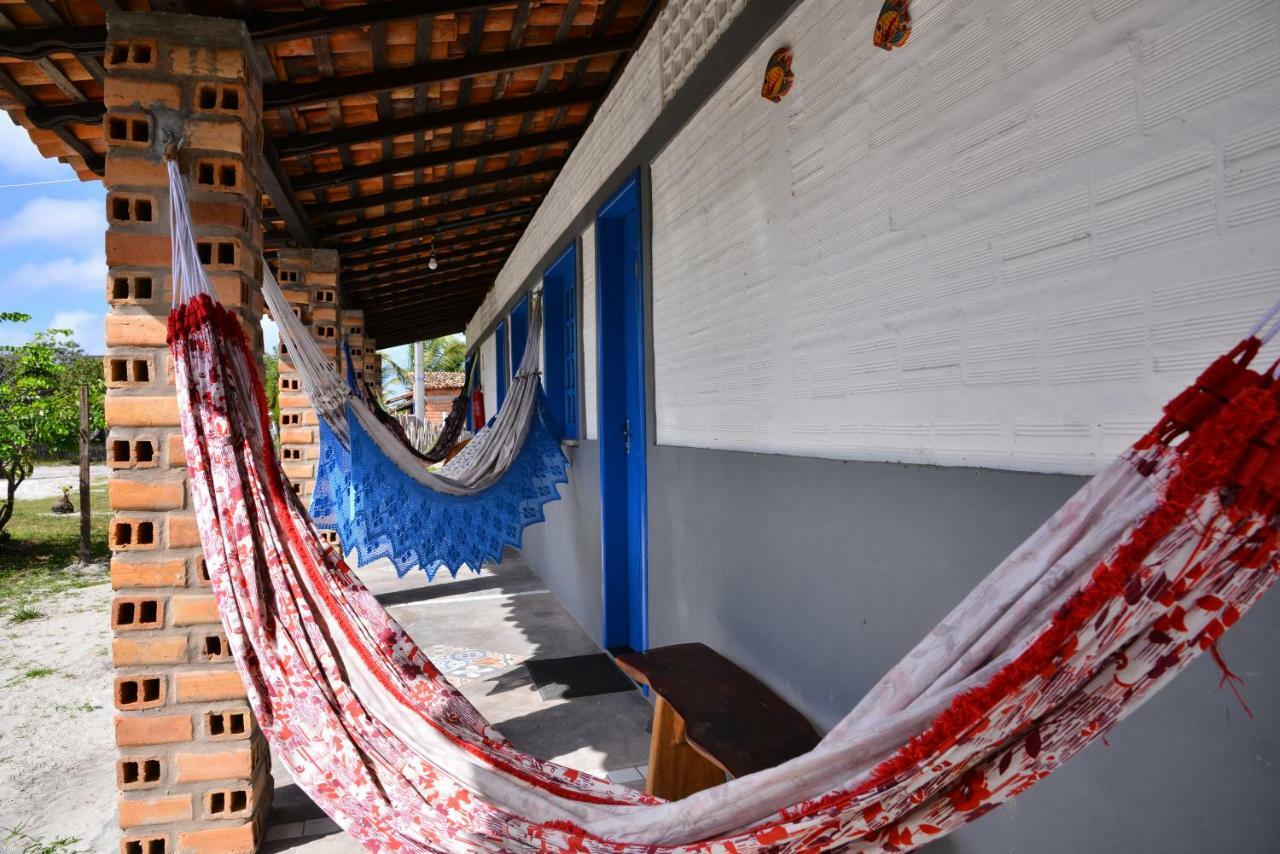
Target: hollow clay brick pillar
193, 770
372, 364
309, 280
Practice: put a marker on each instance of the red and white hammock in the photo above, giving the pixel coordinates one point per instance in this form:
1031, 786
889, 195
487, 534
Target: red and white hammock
1140, 572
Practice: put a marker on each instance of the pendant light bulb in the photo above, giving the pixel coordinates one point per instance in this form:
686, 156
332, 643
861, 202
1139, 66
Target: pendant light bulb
432, 263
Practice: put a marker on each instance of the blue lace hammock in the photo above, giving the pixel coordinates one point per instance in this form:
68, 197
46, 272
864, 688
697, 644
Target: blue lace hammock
380, 511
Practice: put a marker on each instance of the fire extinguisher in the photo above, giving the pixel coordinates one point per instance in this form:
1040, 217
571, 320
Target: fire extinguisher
477, 409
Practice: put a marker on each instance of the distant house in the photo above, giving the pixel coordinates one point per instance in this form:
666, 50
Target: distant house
441, 389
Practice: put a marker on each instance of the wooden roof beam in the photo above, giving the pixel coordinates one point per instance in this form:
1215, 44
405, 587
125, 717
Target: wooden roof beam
288, 94
276, 182
446, 253
433, 188
435, 211
308, 143
443, 273
265, 28
360, 248
357, 253
438, 157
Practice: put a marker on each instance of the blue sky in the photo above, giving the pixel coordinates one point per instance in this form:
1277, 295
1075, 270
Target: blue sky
52, 264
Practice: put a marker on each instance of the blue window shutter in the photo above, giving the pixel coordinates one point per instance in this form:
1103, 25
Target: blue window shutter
560, 334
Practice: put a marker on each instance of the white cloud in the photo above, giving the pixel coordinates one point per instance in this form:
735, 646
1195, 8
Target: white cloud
80, 275
86, 327
66, 222
22, 160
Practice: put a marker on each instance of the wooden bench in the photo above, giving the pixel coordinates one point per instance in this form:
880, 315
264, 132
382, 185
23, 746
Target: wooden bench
711, 718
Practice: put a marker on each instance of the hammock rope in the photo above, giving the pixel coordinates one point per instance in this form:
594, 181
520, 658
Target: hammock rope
1141, 571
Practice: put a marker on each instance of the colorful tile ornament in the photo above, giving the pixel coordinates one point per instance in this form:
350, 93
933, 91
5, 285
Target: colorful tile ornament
464, 665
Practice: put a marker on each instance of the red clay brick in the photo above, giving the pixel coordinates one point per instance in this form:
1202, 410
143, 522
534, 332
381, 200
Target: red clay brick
145, 93
135, 813
139, 772
197, 686
146, 495
296, 437
183, 532
206, 62
194, 610
177, 452
128, 652
138, 691
134, 411
137, 730
226, 214
131, 613
135, 330
219, 840
136, 249
138, 171
206, 767
299, 471
131, 573
226, 136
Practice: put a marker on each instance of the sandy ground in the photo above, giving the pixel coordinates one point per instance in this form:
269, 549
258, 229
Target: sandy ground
57, 757
47, 481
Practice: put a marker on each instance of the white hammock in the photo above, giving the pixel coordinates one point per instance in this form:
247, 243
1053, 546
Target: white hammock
486, 457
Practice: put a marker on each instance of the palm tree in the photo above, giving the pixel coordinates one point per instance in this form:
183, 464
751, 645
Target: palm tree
438, 354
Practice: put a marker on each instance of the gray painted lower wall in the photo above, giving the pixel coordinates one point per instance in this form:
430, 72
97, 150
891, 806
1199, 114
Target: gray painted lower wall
565, 550
818, 575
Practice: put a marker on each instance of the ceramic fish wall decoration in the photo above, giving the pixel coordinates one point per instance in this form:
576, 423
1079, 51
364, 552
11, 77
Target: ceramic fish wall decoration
893, 27
778, 77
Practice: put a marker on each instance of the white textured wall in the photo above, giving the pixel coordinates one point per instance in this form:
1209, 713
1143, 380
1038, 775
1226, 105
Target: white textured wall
1005, 244
679, 40
588, 333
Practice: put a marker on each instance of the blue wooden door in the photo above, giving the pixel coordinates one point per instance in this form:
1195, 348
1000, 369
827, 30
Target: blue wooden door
519, 332
560, 335
504, 365
622, 412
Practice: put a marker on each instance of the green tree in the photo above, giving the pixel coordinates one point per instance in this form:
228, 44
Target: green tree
40, 403
271, 384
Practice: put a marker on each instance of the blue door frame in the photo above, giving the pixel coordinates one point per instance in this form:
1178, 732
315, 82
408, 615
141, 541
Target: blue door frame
519, 332
622, 414
504, 366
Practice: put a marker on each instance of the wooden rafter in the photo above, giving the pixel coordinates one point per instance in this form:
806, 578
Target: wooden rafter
433, 188
296, 94
361, 226
439, 157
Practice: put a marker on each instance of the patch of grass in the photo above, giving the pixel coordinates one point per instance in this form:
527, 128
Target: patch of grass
38, 672
86, 706
24, 613
41, 544
27, 844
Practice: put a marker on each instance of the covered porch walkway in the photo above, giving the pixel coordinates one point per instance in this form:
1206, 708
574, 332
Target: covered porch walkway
480, 630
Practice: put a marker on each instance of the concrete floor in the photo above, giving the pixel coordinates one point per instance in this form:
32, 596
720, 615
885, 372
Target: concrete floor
479, 629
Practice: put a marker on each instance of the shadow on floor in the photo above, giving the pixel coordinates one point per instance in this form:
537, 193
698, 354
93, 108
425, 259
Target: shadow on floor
480, 629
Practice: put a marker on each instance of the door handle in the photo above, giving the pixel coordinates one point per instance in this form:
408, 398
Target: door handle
626, 435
